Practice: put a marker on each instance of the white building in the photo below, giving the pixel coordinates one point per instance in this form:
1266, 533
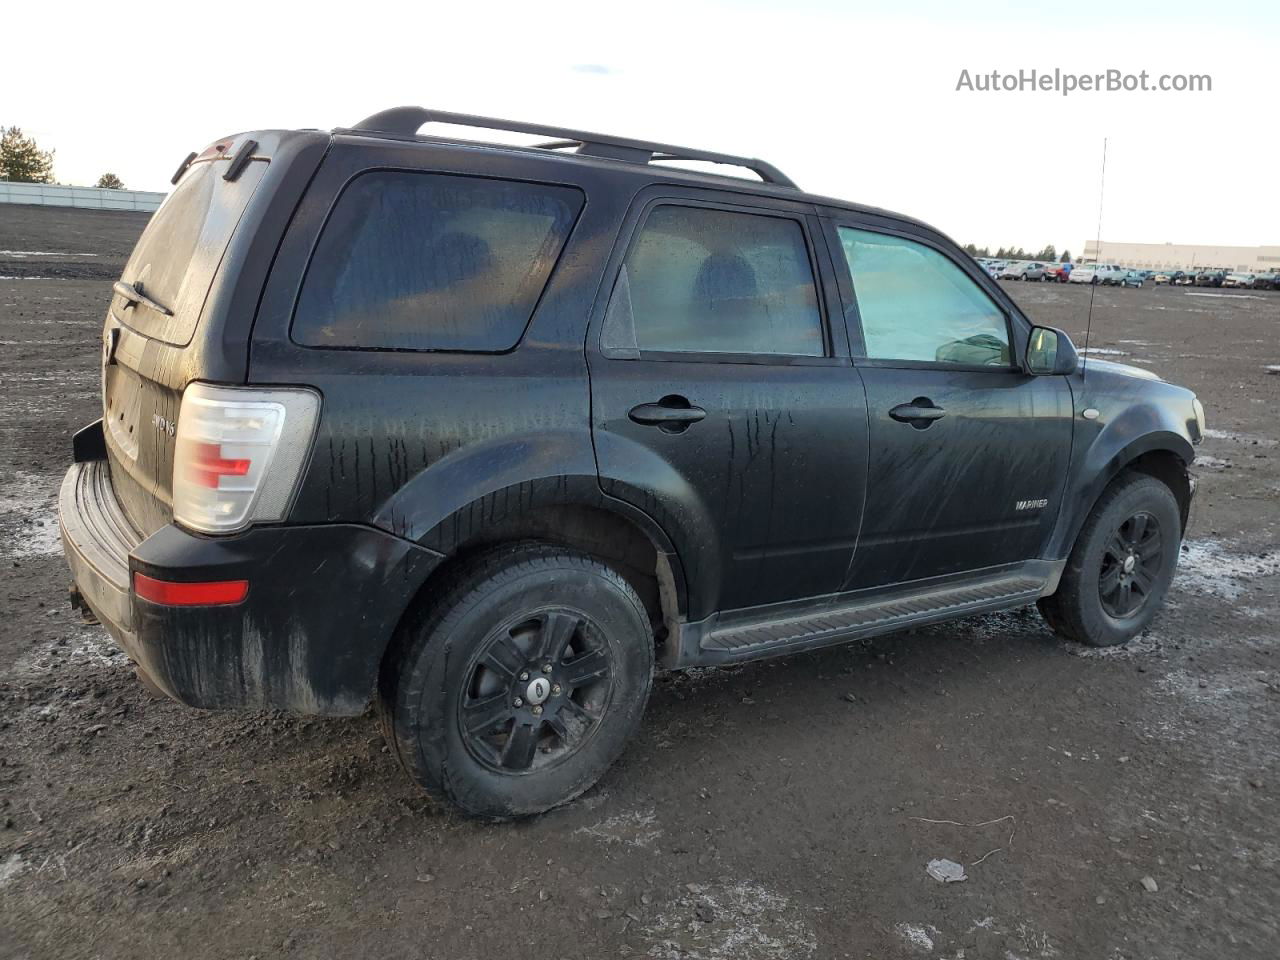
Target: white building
1184, 256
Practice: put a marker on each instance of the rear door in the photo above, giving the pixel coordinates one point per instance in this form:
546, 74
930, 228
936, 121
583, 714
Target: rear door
968, 454
188, 302
146, 356
723, 399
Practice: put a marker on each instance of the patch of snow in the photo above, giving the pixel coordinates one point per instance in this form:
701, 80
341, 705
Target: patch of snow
1206, 566
1145, 644
1248, 438
1105, 351
915, 935
1036, 940
28, 515
635, 829
736, 920
42, 253
32, 278
10, 867
77, 641
1207, 461
1225, 296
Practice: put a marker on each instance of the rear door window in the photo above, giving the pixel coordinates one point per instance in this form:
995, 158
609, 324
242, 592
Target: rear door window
917, 305
703, 280
421, 261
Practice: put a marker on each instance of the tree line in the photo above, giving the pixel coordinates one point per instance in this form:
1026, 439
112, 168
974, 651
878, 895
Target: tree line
22, 161
1048, 253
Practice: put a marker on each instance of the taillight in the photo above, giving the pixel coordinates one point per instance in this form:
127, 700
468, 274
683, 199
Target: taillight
239, 454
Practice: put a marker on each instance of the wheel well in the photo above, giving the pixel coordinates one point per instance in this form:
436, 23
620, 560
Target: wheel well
1167, 467
599, 533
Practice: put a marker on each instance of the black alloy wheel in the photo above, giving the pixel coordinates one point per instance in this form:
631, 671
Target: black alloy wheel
536, 691
1131, 565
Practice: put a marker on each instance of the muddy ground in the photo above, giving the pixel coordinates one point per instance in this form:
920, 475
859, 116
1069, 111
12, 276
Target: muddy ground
781, 810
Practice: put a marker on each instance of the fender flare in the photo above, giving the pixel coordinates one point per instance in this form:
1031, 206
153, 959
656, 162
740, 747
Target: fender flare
482, 484
1105, 460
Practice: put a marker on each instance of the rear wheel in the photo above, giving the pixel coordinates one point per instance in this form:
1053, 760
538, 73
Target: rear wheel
516, 690
1121, 566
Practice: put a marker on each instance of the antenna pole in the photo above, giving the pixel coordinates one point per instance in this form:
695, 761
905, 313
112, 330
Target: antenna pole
1097, 256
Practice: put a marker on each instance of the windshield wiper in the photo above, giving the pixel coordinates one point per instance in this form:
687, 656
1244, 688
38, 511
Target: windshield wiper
133, 293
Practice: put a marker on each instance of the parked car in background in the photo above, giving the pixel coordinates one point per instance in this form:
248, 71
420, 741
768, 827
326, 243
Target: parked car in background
458, 489
1103, 273
1209, 278
994, 267
1023, 271
1184, 278
1246, 280
1162, 277
1132, 278
1267, 281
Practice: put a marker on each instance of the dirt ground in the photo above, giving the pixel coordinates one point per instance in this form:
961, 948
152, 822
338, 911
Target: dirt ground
785, 810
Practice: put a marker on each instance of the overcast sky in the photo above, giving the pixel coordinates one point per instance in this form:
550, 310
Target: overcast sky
854, 100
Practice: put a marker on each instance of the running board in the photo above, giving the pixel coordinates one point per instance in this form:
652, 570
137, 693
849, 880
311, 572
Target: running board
756, 634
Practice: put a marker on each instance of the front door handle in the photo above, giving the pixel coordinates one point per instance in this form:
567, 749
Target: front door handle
671, 414
920, 412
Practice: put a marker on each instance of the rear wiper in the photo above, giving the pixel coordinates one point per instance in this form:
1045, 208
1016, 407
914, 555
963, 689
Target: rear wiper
133, 293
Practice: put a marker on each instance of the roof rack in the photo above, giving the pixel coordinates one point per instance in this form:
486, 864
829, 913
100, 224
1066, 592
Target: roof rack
407, 120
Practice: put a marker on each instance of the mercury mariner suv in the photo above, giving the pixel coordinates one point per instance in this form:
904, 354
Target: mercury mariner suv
484, 434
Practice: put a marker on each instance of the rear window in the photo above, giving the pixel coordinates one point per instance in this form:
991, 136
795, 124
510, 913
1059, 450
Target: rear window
421, 261
180, 250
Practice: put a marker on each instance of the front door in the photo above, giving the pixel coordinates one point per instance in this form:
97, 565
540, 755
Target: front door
968, 454
722, 404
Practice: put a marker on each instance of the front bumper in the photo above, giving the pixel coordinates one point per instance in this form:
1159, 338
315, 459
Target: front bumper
322, 605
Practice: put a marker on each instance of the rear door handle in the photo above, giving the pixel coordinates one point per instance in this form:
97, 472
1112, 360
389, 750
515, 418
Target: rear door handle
919, 412
668, 413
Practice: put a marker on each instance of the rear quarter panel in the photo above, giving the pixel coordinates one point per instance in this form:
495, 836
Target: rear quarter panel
433, 445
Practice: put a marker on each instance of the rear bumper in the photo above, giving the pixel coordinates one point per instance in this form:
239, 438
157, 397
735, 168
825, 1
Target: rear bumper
322, 604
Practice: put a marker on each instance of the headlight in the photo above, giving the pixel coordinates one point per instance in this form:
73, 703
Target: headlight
1200, 424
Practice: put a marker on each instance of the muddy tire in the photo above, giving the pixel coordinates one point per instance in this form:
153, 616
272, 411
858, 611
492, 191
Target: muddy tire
1121, 565
517, 686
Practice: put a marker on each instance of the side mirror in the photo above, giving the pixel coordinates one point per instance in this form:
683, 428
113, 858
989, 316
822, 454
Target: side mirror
1050, 353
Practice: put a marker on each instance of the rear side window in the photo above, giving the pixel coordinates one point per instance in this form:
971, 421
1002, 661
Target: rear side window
916, 304
418, 261
700, 280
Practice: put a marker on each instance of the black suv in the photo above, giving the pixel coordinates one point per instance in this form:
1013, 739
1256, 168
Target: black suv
483, 433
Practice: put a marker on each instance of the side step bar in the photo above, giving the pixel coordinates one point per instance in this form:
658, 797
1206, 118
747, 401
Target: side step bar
752, 635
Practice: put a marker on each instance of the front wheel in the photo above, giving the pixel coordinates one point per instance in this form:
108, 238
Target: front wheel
1121, 566
517, 689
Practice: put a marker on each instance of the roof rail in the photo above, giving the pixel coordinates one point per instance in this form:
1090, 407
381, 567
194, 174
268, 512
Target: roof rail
407, 120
